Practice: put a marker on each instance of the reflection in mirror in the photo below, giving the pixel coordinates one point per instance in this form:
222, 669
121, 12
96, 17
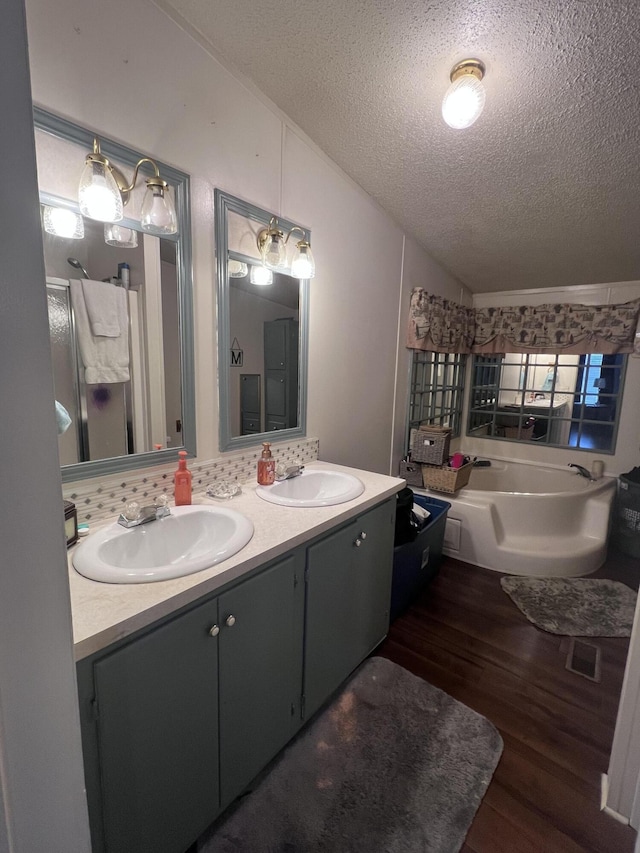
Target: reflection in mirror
557, 400
120, 317
262, 333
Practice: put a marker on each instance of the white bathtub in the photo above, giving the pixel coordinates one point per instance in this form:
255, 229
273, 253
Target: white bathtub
529, 520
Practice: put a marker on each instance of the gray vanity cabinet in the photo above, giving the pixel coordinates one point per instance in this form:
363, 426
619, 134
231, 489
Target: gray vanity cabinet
349, 576
156, 733
179, 720
260, 671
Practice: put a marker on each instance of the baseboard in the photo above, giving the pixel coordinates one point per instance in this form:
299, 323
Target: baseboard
604, 794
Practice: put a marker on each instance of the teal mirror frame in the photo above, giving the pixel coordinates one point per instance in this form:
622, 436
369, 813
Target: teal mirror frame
225, 203
179, 181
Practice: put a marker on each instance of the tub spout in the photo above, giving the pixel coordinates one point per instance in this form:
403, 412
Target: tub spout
582, 471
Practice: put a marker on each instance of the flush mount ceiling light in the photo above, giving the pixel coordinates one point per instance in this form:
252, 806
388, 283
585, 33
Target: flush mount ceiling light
272, 245
104, 191
62, 222
464, 99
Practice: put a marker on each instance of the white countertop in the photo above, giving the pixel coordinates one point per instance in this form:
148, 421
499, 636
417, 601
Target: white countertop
103, 613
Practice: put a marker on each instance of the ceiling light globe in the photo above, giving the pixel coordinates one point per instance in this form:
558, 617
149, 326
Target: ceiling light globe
98, 194
463, 102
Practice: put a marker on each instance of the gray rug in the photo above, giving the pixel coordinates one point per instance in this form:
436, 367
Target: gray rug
393, 765
574, 607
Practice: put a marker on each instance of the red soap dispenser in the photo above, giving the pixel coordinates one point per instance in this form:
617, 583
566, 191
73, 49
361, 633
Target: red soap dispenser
182, 481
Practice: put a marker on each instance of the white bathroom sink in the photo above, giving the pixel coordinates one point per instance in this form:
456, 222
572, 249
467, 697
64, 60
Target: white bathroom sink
192, 538
313, 488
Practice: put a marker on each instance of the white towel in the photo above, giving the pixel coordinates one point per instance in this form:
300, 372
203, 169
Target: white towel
101, 299
105, 359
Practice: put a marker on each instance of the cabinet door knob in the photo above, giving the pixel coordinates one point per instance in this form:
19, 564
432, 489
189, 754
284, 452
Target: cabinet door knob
358, 543
214, 631
363, 535
230, 621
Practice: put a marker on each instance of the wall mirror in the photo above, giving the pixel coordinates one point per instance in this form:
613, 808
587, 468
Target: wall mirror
122, 360
557, 400
262, 333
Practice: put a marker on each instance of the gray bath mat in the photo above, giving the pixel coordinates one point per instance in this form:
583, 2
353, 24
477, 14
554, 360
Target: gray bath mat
393, 765
574, 607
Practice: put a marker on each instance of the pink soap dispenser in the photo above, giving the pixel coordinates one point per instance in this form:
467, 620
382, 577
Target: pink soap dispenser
266, 466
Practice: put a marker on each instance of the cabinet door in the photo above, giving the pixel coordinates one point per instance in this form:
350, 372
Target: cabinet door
348, 592
158, 736
260, 670
275, 345
276, 393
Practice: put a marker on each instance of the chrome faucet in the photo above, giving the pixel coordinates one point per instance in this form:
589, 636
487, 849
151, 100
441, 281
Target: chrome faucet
286, 473
134, 515
582, 471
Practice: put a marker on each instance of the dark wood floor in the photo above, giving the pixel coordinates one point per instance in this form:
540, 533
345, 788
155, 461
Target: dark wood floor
465, 636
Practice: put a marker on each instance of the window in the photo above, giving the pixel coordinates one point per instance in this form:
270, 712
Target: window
558, 400
436, 390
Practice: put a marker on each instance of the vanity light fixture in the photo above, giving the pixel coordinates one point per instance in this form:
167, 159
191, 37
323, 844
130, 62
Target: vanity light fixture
272, 245
62, 222
118, 235
261, 275
238, 269
104, 191
464, 99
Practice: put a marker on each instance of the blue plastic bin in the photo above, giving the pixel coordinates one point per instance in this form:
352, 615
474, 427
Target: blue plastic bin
416, 563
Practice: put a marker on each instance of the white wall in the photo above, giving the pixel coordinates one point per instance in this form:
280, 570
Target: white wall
42, 803
628, 442
166, 96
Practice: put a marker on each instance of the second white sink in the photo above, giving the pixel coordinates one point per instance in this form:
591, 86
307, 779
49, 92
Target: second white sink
313, 488
189, 540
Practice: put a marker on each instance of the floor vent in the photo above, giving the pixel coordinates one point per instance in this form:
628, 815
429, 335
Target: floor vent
584, 659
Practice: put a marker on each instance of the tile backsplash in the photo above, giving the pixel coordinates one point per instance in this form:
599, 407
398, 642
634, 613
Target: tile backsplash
103, 498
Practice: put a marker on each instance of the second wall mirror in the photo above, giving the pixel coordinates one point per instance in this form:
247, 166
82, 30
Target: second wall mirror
262, 331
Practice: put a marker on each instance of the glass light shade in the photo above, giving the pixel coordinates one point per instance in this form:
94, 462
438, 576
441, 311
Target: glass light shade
237, 269
275, 255
98, 193
463, 102
303, 266
118, 235
63, 223
261, 275
157, 214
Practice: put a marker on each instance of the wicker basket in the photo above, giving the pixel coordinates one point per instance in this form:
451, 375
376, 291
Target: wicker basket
445, 479
524, 433
430, 445
411, 472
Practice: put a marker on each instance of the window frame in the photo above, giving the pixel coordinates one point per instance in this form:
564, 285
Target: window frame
488, 413
423, 405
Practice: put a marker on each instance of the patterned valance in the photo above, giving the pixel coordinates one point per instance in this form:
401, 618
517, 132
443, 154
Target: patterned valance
442, 326
439, 325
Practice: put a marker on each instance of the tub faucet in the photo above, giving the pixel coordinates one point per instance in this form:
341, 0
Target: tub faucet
134, 515
582, 471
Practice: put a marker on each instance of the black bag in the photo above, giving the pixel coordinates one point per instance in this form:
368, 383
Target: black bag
406, 526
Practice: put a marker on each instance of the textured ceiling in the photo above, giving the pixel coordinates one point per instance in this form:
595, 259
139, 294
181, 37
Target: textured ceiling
543, 190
